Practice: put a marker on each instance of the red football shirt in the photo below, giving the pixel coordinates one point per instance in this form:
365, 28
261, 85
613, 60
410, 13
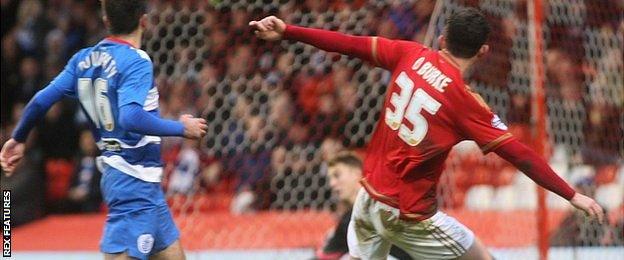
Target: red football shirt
427, 110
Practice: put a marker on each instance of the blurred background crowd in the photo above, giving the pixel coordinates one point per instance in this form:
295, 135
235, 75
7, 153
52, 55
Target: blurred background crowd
277, 111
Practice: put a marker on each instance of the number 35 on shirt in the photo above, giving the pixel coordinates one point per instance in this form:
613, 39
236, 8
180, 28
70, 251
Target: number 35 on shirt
409, 104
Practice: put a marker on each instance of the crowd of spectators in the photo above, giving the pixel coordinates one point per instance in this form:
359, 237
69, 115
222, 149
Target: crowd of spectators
276, 110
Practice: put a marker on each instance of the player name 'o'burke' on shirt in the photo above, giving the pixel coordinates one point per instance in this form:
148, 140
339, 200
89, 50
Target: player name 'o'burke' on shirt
431, 74
99, 58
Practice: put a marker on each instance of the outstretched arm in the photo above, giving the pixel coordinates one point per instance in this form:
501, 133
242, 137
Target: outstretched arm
132, 95
476, 122
13, 150
35, 110
364, 47
538, 170
355, 46
133, 118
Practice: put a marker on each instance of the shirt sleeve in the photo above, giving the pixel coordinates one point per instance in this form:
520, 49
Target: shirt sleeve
535, 167
133, 118
476, 121
65, 82
135, 82
382, 52
387, 53
63, 85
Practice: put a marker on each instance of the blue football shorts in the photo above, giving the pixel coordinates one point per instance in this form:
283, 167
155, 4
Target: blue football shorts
139, 221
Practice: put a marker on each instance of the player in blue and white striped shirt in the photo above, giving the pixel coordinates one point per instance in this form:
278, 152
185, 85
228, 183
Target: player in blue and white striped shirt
114, 83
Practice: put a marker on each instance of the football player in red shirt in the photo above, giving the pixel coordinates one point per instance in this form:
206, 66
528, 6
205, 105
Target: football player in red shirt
427, 110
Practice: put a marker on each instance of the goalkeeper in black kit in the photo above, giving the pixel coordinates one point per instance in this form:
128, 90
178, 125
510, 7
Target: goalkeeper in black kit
344, 173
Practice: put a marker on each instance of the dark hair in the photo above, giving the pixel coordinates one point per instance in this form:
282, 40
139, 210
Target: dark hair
347, 158
123, 15
466, 31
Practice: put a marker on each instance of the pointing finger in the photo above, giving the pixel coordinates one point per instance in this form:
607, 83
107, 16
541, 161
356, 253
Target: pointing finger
599, 213
14, 159
260, 27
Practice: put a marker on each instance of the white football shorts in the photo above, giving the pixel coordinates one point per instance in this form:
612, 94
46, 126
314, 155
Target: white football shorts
375, 227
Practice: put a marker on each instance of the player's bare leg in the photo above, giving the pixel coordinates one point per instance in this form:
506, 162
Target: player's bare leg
120, 256
173, 252
477, 252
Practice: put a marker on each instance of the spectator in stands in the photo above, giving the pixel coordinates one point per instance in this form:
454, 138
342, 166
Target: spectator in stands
211, 174
186, 169
10, 77
218, 40
411, 20
280, 115
55, 47
519, 115
298, 133
345, 172
602, 140
238, 26
327, 120
319, 98
565, 90
348, 98
84, 194
283, 70
422, 10
329, 148
31, 26
58, 133
57, 136
240, 62
563, 75
345, 93
312, 89
251, 165
493, 69
30, 79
